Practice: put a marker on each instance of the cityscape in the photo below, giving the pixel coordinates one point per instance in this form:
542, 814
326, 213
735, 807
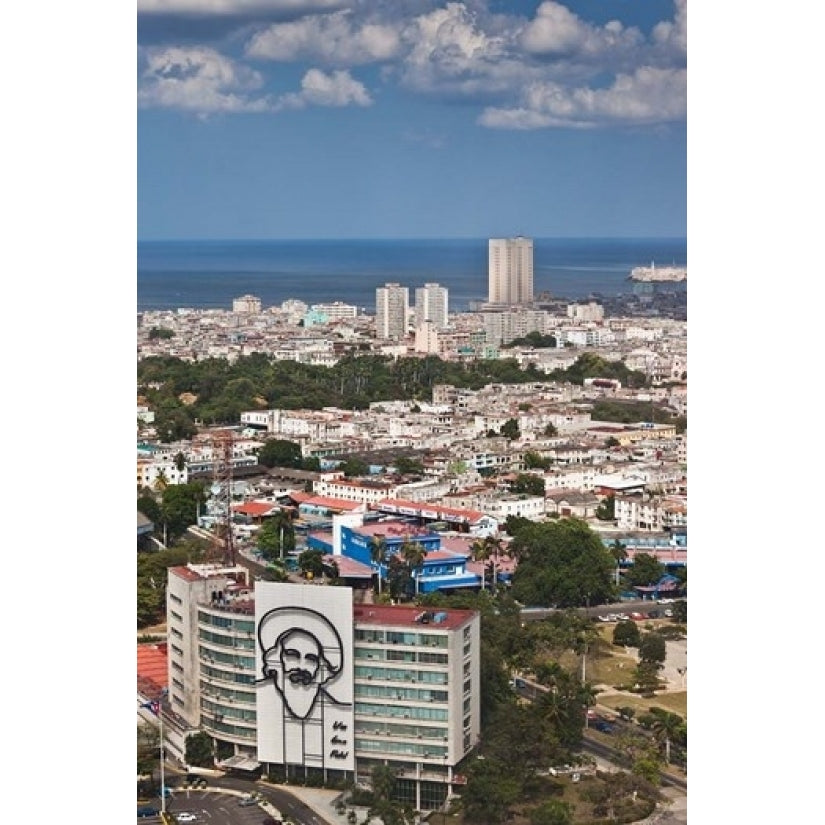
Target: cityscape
411, 396
400, 506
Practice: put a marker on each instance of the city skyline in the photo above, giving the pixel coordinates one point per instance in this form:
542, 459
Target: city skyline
326, 119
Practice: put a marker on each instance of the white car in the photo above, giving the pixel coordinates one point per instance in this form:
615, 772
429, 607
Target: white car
186, 816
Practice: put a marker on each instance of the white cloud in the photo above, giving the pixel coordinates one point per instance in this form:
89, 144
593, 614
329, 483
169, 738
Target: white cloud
557, 32
319, 89
649, 96
513, 119
232, 7
448, 51
333, 38
673, 35
198, 79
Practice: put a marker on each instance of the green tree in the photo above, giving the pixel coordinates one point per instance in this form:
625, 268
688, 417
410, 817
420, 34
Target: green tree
490, 791
551, 430
354, 467
645, 570
200, 750
148, 505
408, 466
148, 748
528, 484
279, 452
179, 506
562, 563
510, 429
276, 536
652, 648
552, 812
534, 461
666, 728
378, 554
606, 511
680, 611
413, 554
311, 563
626, 633
647, 676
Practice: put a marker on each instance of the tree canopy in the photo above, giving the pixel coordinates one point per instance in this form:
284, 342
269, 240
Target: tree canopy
563, 564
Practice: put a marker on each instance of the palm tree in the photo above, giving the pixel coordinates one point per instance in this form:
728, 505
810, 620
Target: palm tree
481, 552
494, 545
378, 552
619, 554
161, 482
414, 554
665, 728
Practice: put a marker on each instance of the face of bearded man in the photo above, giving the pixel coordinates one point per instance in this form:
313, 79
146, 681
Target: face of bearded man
300, 663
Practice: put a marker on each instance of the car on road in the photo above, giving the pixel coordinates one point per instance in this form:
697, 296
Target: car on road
248, 800
186, 816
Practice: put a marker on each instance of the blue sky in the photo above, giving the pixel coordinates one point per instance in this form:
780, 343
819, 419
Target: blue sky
411, 118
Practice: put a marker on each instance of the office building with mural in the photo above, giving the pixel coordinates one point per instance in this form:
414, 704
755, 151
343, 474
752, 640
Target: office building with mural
295, 680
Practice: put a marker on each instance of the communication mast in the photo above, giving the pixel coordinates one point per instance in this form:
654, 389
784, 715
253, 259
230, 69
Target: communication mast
223, 542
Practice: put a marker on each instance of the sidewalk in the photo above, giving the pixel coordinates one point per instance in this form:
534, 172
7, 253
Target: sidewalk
322, 803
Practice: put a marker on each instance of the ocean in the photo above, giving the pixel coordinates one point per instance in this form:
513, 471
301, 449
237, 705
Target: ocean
210, 274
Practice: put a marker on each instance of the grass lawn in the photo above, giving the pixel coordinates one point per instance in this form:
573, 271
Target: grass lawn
675, 702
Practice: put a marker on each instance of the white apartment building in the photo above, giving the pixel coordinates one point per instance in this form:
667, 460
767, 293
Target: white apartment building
502, 506
510, 270
391, 309
431, 302
426, 338
247, 305
151, 471
506, 326
336, 311
590, 311
650, 513
393, 685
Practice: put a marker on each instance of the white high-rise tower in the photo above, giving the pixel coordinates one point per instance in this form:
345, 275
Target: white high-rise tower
431, 305
392, 303
510, 271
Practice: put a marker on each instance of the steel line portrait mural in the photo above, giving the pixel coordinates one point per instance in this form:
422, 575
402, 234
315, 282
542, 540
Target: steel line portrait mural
304, 675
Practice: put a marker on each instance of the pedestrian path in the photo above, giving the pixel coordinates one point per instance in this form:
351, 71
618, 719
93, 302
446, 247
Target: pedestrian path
322, 802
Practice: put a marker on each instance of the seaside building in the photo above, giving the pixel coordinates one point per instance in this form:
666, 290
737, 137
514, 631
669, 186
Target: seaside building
247, 305
387, 685
510, 270
431, 305
392, 303
336, 311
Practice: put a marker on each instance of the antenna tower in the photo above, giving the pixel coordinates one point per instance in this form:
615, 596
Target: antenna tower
223, 543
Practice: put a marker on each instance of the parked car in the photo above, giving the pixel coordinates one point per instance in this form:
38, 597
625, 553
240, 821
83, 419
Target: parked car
147, 810
186, 816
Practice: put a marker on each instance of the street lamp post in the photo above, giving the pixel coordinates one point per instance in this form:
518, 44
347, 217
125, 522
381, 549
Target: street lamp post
162, 756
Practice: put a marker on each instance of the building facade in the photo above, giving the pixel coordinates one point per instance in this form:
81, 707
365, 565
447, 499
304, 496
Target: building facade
510, 270
392, 303
296, 679
247, 305
431, 304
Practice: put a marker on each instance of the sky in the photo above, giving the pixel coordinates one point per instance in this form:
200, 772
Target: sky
411, 118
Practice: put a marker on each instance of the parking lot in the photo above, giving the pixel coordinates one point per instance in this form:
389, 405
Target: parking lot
214, 807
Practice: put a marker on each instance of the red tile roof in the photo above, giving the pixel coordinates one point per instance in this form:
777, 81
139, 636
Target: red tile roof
151, 668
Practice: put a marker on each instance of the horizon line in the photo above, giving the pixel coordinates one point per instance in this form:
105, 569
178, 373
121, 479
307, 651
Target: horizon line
421, 238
